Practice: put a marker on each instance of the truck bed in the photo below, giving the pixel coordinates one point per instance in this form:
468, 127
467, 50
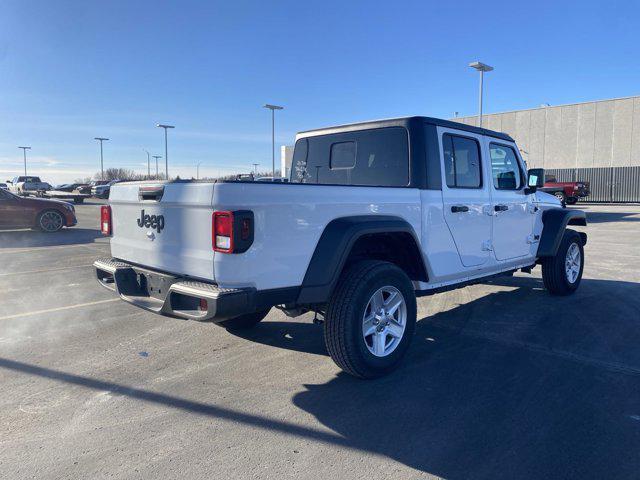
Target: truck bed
289, 219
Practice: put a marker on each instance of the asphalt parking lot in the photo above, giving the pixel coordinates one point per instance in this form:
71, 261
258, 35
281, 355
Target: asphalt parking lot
502, 380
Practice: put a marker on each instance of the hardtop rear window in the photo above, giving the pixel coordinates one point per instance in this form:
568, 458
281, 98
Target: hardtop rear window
375, 157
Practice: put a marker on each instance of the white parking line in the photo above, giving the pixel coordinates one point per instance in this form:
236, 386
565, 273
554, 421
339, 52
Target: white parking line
58, 309
44, 270
53, 247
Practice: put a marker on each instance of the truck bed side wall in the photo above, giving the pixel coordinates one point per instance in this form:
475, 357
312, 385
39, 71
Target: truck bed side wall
289, 220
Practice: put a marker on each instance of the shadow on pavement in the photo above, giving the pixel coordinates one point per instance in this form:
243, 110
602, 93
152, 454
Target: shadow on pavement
34, 238
603, 217
515, 384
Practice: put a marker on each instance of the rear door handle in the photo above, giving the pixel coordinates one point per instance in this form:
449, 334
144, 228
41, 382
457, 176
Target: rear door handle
459, 208
501, 208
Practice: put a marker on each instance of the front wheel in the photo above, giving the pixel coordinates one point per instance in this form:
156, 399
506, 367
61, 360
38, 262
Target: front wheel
244, 321
562, 273
50, 221
371, 319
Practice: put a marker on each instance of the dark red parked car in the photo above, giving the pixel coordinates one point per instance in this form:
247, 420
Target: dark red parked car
25, 212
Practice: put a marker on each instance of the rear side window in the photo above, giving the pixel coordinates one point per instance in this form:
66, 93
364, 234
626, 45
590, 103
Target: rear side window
461, 161
505, 167
376, 157
343, 155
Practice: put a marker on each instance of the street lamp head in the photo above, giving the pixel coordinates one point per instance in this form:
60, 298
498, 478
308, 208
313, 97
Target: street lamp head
100, 139
25, 148
164, 126
273, 107
481, 67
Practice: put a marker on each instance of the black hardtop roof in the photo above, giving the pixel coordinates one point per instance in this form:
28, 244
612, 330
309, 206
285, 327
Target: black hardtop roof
404, 122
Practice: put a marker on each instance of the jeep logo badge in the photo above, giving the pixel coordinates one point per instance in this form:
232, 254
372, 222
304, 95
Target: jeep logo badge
151, 221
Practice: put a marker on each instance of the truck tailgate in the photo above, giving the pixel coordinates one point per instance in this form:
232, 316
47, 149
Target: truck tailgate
164, 226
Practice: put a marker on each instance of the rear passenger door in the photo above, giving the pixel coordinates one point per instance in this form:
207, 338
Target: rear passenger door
465, 195
513, 211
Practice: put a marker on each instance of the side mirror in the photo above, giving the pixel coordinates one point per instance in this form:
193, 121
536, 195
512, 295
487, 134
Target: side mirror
535, 180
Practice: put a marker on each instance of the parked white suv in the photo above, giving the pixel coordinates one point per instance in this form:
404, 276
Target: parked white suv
374, 215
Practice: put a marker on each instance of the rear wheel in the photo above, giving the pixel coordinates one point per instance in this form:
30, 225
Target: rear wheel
50, 221
562, 273
561, 196
244, 321
370, 319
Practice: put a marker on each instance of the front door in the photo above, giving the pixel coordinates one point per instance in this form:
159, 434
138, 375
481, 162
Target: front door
11, 211
465, 195
513, 211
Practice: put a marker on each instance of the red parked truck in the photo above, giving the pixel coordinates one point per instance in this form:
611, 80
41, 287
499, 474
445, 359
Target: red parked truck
566, 192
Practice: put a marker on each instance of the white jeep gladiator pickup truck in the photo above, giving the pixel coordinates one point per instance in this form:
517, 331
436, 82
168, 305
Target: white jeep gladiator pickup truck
374, 214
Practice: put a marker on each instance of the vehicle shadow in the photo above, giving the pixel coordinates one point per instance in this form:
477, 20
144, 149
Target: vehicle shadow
34, 238
515, 384
602, 217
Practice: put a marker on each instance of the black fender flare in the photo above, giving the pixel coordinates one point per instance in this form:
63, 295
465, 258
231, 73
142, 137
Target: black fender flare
334, 247
555, 221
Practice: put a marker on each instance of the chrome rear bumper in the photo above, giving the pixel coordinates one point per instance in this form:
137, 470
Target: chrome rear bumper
171, 295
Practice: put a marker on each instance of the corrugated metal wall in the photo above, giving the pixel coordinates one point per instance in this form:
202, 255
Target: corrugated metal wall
607, 184
605, 133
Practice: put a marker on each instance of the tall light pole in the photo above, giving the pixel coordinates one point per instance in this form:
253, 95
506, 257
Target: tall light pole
101, 139
166, 152
273, 109
148, 162
255, 167
24, 154
157, 157
198, 171
481, 67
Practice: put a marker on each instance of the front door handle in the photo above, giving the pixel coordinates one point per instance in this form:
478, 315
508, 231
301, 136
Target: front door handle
459, 208
501, 208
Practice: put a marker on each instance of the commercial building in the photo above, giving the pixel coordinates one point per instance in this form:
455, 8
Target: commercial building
286, 156
598, 142
604, 133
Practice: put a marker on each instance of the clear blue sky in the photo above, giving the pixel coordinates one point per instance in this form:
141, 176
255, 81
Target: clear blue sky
73, 70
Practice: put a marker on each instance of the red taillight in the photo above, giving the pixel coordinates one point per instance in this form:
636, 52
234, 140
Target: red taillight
203, 306
105, 220
245, 229
222, 230
232, 232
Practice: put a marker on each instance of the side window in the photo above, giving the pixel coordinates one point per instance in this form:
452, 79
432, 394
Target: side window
507, 174
461, 162
343, 155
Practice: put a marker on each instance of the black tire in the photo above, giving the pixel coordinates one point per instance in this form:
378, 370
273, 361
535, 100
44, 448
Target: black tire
562, 197
343, 326
41, 224
244, 321
78, 200
554, 273
572, 200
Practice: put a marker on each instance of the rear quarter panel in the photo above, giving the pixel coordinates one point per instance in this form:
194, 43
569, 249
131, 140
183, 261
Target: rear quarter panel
289, 220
